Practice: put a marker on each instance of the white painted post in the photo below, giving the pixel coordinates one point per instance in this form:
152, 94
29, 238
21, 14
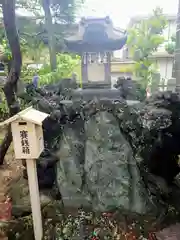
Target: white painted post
28, 144
35, 198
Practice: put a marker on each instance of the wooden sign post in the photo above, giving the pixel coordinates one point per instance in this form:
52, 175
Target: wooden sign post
35, 199
28, 144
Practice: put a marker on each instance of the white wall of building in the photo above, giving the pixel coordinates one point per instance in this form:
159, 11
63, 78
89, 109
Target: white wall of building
170, 30
118, 54
163, 59
165, 66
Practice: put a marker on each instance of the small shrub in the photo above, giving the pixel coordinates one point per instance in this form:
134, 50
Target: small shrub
66, 65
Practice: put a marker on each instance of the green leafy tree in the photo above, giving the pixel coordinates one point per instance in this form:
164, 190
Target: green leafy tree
10, 87
44, 29
11, 40
143, 40
59, 8
55, 11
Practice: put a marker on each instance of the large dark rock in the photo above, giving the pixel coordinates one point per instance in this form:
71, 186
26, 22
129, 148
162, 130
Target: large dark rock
103, 153
130, 89
112, 175
70, 167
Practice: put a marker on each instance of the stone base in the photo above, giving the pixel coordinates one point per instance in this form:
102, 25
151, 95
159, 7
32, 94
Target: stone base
96, 85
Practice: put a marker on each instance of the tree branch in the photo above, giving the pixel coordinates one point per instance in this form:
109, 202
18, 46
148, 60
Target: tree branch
50, 32
8, 7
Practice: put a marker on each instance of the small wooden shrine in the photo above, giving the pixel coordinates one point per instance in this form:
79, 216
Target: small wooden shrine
95, 41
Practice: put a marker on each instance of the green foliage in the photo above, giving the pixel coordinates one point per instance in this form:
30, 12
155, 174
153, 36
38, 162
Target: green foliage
32, 46
143, 40
62, 10
34, 50
66, 65
32, 38
6, 49
170, 46
65, 10
3, 106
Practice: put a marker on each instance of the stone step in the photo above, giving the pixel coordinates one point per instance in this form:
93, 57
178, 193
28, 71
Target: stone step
96, 85
89, 94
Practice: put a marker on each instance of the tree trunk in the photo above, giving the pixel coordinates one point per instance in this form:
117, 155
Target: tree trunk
8, 8
176, 65
50, 33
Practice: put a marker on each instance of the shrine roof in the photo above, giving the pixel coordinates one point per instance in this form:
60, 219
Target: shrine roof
29, 114
96, 34
80, 46
115, 34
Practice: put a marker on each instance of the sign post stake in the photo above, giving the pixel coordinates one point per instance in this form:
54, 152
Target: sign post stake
28, 141
35, 198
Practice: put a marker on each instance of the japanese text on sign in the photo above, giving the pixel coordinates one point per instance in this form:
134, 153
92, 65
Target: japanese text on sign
24, 142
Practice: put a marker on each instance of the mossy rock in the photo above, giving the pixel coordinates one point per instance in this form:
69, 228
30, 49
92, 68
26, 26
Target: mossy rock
19, 193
